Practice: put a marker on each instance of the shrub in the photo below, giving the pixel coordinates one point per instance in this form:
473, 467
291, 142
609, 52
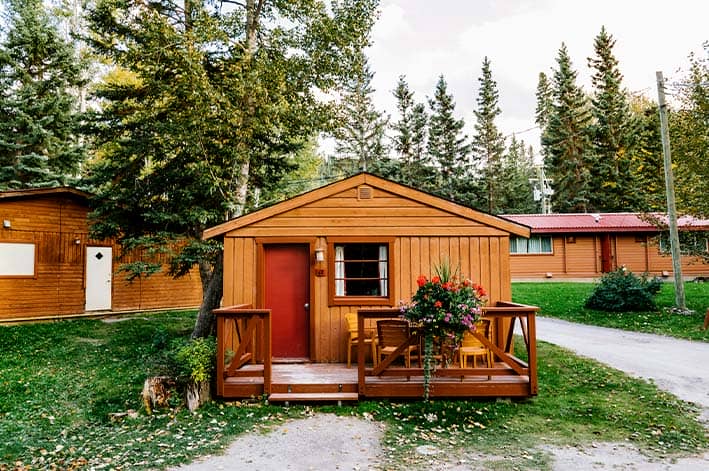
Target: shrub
621, 290
196, 358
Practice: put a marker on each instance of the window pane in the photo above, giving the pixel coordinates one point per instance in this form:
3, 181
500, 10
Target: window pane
361, 270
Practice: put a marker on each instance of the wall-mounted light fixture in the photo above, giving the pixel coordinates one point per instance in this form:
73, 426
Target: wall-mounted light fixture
6, 224
77, 241
319, 262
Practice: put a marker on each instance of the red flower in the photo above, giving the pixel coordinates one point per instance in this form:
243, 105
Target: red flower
438, 304
421, 280
436, 279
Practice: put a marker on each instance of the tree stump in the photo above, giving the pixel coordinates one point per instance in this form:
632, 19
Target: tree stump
197, 394
156, 392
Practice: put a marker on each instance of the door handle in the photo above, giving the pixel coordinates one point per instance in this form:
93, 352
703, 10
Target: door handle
307, 306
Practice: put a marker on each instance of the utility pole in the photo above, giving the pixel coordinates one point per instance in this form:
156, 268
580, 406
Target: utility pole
670, 190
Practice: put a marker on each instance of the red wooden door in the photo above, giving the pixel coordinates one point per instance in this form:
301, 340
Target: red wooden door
287, 294
606, 254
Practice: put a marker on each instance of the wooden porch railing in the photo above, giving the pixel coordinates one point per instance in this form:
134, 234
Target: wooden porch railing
245, 334
510, 376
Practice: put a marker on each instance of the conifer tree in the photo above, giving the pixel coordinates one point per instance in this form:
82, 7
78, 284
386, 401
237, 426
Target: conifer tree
410, 138
447, 145
516, 195
614, 187
566, 141
206, 106
39, 116
488, 143
361, 134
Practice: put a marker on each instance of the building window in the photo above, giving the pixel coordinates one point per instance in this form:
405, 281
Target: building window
17, 259
361, 273
533, 245
690, 243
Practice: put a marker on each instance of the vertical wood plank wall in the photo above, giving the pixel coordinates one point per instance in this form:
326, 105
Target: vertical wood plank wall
485, 260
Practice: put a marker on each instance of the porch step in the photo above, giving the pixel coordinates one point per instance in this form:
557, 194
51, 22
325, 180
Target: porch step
313, 397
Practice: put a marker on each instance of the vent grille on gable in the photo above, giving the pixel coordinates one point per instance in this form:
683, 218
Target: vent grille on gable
365, 193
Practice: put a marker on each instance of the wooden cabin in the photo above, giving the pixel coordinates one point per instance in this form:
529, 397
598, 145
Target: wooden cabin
354, 246
588, 245
50, 268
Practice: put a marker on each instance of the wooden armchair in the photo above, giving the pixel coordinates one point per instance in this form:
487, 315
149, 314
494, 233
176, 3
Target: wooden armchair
353, 340
472, 347
391, 334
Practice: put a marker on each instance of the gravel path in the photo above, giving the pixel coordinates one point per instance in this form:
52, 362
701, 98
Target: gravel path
677, 366
328, 442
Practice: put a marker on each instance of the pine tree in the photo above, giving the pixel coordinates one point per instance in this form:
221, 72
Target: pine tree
567, 143
410, 138
647, 163
360, 137
206, 107
447, 146
516, 195
39, 118
488, 144
545, 102
613, 133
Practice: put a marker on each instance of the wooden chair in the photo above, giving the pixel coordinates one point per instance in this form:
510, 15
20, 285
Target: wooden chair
472, 347
391, 333
353, 340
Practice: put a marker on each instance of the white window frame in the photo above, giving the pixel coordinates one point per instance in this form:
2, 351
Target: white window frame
535, 245
338, 281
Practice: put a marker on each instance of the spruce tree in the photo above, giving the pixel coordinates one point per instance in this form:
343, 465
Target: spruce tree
361, 134
447, 146
39, 119
516, 195
409, 137
488, 143
206, 107
614, 187
567, 144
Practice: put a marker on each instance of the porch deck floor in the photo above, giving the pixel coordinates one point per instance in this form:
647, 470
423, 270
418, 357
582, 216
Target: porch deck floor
337, 378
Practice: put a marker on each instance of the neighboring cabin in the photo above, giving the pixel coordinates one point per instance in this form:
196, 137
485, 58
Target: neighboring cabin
49, 267
357, 243
588, 245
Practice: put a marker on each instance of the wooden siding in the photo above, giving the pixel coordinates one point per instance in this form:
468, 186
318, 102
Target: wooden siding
582, 259
55, 223
383, 215
484, 257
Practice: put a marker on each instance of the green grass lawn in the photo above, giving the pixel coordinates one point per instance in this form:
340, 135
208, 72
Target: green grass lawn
566, 300
62, 383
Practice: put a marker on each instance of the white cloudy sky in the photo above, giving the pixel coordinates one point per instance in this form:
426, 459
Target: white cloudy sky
423, 39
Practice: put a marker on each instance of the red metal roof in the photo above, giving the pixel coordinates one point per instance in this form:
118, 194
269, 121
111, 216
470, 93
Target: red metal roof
598, 222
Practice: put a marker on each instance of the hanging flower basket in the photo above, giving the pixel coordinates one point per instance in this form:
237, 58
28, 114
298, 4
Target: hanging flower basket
442, 309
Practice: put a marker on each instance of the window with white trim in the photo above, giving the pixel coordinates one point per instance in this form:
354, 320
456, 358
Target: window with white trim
533, 245
690, 242
361, 270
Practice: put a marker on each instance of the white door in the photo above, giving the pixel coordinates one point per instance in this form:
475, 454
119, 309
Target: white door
99, 264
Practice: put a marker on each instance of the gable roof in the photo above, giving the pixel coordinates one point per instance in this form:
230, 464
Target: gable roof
375, 182
599, 222
27, 193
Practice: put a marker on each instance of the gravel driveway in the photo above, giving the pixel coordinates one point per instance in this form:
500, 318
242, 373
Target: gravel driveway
327, 442
677, 366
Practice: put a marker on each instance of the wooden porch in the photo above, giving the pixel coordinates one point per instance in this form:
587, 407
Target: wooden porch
245, 368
